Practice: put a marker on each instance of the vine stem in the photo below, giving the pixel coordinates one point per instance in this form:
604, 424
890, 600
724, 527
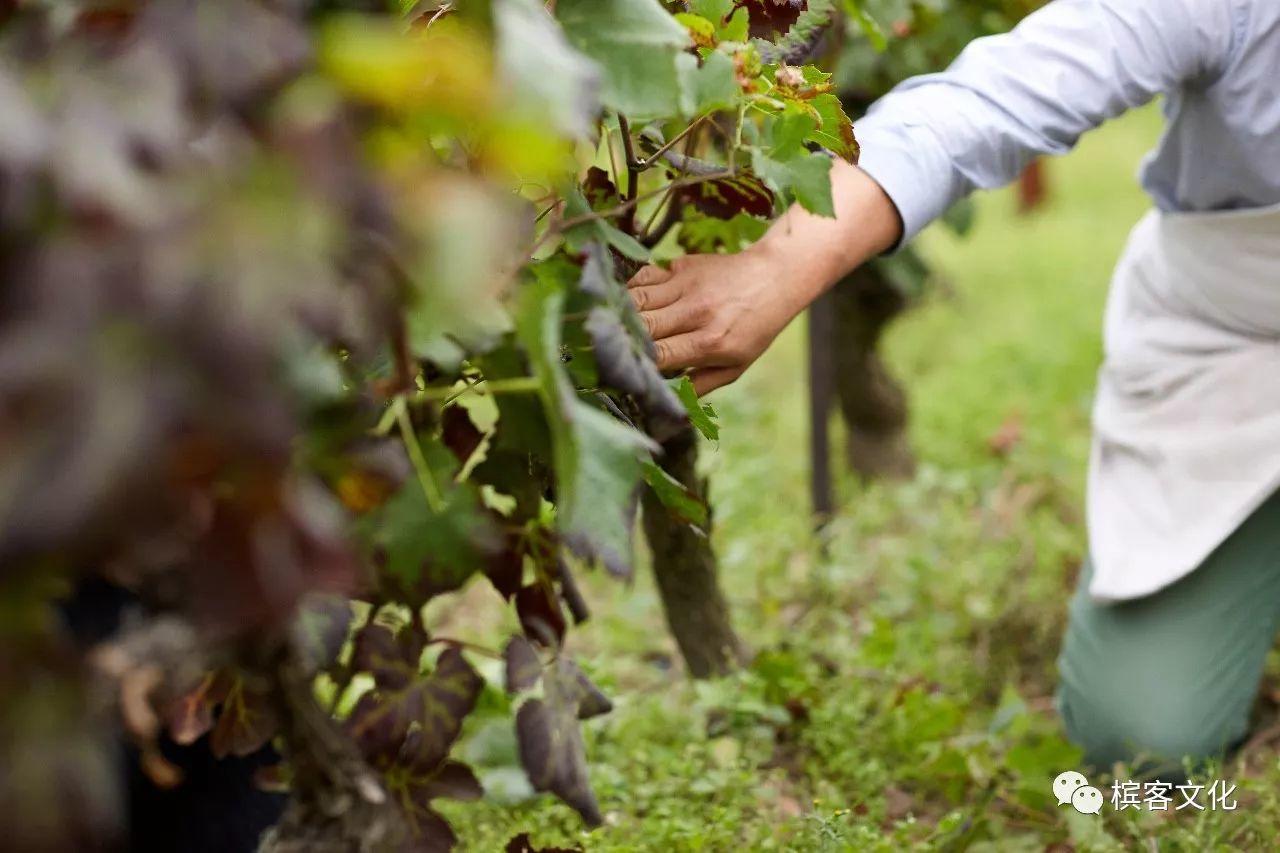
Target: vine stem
513, 385
620, 209
634, 167
651, 160
435, 500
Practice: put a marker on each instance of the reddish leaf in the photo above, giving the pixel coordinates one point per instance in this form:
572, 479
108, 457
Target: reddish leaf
453, 780
391, 658
540, 613
772, 18
381, 721
550, 741
459, 433
431, 831
600, 189
591, 699
505, 570
523, 668
246, 722
727, 197
189, 717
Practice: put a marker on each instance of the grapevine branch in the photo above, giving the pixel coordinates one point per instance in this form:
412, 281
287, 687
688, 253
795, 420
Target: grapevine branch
633, 174
596, 216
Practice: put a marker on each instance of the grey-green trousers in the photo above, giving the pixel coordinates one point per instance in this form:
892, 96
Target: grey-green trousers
1174, 675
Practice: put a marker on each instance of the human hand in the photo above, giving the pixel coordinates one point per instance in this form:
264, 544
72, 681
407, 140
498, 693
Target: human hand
714, 314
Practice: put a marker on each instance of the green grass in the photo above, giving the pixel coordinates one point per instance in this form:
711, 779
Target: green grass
902, 696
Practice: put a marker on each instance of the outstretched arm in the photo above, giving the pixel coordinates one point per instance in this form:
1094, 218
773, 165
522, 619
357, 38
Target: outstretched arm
1067, 68
718, 313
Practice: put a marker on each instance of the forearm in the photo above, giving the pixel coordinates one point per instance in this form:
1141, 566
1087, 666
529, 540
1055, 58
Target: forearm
810, 253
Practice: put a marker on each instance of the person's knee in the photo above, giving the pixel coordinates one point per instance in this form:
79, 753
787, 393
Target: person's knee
1117, 722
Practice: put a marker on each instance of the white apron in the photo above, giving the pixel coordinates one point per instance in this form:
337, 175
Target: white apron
1187, 418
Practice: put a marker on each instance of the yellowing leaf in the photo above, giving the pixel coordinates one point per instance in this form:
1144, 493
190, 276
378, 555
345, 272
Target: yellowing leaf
447, 67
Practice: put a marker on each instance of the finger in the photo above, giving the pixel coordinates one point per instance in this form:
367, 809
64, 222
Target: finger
675, 319
686, 350
655, 296
709, 379
649, 275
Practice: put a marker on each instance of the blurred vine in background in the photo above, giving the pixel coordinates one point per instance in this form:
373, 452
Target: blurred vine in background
881, 44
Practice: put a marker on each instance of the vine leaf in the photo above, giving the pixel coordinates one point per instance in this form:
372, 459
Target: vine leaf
596, 459
459, 433
246, 721
701, 415
550, 740
725, 198
382, 719
711, 84
522, 667
685, 505
835, 133
773, 18
579, 237
540, 613
433, 549
791, 169
455, 287
636, 43
389, 656
547, 76
189, 716
623, 349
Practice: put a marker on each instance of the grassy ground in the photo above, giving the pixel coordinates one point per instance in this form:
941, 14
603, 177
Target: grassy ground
902, 694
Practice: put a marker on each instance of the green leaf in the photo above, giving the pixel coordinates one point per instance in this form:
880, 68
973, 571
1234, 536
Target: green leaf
716, 11
433, 551
702, 31
835, 133
579, 237
806, 177
739, 27
701, 415
711, 86
636, 43
597, 460
674, 496
706, 234
547, 77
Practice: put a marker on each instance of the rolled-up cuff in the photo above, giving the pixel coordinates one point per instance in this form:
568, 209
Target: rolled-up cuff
911, 167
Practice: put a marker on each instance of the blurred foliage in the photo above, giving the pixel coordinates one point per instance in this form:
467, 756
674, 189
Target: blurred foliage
324, 297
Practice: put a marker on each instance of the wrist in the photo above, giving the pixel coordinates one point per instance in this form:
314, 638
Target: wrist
793, 275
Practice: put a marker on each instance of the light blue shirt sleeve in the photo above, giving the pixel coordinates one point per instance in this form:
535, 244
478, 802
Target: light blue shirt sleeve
1064, 70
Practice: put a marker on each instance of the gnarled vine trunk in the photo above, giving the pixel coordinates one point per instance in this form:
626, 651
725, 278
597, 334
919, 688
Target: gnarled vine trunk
872, 402
684, 566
